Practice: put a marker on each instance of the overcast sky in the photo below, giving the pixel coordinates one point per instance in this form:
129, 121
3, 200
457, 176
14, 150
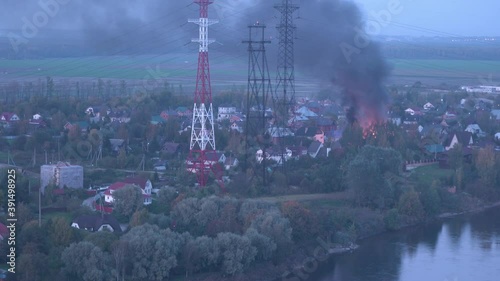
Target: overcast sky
417, 18
432, 17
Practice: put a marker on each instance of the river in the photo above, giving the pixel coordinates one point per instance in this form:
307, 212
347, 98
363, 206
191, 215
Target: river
465, 248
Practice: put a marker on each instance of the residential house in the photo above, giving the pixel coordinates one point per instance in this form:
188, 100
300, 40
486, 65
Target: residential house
274, 154
306, 112
463, 138
98, 111
230, 162
413, 111
314, 149
121, 116
35, 123
225, 112
332, 110
395, 119
214, 157
157, 120
183, 111
142, 183
298, 151
83, 125
325, 124
97, 222
117, 144
474, 129
170, 148
169, 114
237, 126
9, 117
277, 133
428, 106
411, 119
314, 106
495, 114
297, 121
435, 149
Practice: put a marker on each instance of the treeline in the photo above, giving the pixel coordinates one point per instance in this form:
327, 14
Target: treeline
185, 237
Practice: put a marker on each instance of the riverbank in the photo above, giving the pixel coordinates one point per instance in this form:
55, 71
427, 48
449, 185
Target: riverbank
309, 256
476, 210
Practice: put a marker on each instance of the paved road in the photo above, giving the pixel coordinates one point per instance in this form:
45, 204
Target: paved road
89, 202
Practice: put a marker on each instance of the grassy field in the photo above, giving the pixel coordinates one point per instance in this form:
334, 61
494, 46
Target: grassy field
229, 69
448, 71
427, 174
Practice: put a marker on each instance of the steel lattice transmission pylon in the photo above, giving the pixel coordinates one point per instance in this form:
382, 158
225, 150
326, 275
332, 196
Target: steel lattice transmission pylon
284, 94
258, 92
202, 142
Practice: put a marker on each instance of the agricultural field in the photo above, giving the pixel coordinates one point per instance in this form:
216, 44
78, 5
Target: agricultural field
230, 70
453, 72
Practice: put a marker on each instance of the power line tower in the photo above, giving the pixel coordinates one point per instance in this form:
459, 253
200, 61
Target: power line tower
259, 90
202, 142
284, 94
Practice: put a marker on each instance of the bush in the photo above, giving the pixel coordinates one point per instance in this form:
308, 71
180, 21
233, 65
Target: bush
392, 220
410, 205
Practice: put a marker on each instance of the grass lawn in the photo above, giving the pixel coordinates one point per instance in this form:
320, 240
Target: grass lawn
427, 174
53, 215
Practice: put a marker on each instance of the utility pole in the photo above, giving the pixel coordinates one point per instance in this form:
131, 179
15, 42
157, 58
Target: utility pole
40, 206
258, 91
202, 141
284, 95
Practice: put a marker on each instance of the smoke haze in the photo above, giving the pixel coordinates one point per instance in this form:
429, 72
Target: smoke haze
133, 27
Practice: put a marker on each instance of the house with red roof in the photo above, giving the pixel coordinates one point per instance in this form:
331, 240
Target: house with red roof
144, 184
9, 117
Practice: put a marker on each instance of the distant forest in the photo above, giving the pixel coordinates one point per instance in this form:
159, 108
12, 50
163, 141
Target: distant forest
398, 48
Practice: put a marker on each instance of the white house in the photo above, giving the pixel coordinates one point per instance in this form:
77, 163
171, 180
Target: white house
428, 106
274, 155
225, 112
474, 129
464, 138
144, 184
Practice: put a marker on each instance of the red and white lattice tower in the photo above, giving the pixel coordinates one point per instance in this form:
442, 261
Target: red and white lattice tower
202, 146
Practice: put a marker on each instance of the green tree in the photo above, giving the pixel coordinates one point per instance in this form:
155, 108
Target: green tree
32, 266
429, 196
200, 254
410, 205
372, 176
128, 200
121, 159
264, 245
153, 252
102, 239
273, 225
236, 251
304, 223
60, 232
486, 166
392, 220
85, 261
139, 217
